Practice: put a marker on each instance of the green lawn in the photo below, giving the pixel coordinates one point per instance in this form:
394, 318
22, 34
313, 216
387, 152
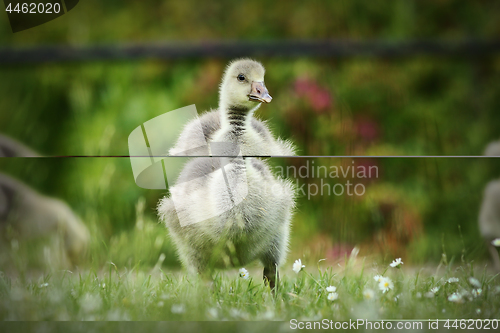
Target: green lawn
115, 293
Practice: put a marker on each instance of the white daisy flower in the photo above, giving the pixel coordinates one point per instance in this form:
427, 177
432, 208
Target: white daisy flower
434, 290
244, 273
474, 282
452, 280
368, 294
378, 278
331, 289
297, 266
396, 263
455, 298
477, 292
496, 242
333, 296
385, 284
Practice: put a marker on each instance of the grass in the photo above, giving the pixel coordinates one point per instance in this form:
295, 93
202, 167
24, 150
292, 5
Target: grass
115, 293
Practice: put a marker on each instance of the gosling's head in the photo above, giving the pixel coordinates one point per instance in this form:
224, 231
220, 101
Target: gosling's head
243, 85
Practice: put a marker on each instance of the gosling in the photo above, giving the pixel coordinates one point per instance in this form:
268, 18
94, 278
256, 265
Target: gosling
26, 217
489, 215
214, 224
31, 216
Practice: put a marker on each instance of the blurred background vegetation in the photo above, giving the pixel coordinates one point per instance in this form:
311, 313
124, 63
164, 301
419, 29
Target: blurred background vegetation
357, 106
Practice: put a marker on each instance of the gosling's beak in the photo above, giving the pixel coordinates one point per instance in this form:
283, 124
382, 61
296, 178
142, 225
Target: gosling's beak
259, 93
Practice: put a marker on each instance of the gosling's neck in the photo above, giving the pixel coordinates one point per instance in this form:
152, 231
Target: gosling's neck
236, 119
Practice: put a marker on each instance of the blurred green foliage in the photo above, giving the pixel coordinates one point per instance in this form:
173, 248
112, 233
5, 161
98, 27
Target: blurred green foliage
358, 106
127, 20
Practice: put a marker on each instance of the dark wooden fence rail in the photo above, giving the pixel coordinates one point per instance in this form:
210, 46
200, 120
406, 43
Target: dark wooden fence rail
232, 49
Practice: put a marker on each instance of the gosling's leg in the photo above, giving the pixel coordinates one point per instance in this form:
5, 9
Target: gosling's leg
274, 256
271, 276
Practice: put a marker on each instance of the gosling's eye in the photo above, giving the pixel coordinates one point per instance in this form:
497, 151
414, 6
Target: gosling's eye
241, 77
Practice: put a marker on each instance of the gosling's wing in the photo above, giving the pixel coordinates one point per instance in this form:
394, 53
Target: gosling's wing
278, 146
193, 139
